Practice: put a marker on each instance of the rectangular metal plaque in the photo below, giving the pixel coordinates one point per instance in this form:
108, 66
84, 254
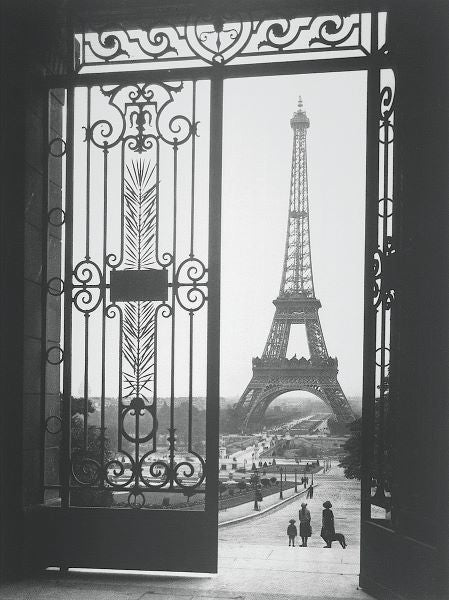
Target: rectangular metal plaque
131, 286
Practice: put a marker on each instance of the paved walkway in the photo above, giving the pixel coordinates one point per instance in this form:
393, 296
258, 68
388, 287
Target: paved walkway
255, 562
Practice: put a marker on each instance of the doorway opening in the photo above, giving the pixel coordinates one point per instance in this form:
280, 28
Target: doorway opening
293, 236
131, 123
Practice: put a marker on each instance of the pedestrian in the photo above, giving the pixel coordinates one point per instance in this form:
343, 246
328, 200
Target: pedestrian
327, 526
292, 532
311, 491
305, 528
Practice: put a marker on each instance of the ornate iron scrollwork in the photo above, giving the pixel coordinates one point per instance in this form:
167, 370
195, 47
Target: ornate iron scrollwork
222, 40
190, 284
384, 294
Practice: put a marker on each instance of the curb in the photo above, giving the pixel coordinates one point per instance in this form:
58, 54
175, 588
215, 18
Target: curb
265, 510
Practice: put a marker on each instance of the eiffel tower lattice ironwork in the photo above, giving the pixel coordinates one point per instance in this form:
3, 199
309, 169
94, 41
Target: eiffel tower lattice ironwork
273, 373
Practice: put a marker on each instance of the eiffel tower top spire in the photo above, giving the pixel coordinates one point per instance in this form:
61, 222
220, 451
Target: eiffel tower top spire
297, 277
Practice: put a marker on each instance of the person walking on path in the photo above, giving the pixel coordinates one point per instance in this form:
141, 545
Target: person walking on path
292, 532
327, 526
310, 492
305, 529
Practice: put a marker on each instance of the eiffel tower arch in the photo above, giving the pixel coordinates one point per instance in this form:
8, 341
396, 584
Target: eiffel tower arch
273, 373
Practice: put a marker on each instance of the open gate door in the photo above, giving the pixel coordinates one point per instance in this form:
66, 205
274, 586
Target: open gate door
404, 541
130, 358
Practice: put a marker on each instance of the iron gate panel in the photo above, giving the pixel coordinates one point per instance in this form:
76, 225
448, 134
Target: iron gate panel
139, 209
129, 329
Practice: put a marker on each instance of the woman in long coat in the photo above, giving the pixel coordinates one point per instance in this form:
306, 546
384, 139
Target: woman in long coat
328, 527
305, 529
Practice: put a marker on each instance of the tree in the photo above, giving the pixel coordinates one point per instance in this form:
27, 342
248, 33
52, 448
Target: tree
77, 406
86, 453
336, 428
221, 488
230, 422
352, 460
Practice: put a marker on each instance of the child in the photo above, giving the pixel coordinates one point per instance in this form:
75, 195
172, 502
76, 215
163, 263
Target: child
292, 532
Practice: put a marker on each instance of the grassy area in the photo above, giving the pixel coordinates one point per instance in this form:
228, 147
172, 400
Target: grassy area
228, 501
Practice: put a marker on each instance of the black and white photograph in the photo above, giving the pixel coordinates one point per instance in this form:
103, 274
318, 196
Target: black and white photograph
224, 300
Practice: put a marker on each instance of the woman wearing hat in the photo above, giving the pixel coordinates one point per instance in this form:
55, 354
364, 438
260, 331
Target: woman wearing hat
305, 529
327, 526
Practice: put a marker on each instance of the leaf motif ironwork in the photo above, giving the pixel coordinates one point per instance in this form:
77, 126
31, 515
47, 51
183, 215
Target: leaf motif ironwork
140, 215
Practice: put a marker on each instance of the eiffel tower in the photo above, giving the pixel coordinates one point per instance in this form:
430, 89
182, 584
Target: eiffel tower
274, 373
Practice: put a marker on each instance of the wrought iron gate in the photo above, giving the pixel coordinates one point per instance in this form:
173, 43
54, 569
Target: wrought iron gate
131, 318
135, 304
131, 325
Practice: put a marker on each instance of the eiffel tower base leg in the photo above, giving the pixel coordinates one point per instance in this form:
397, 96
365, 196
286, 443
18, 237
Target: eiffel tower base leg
261, 392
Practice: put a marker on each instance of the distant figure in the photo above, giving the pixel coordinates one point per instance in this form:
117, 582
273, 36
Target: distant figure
292, 532
305, 529
310, 492
328, 528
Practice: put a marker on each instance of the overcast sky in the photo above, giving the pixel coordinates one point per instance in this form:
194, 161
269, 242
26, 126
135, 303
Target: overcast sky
256, 178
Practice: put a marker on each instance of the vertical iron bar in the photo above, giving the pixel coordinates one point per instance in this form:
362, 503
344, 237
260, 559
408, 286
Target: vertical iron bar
192, 183
119, 309
173, 316
156, 312
89, 92
103, 314
87, 256
120, 369
137, 410
83, 49
189, 436
192, 227
383, 308
371, 225
86, 379
44, 291
213, 315
68, 283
